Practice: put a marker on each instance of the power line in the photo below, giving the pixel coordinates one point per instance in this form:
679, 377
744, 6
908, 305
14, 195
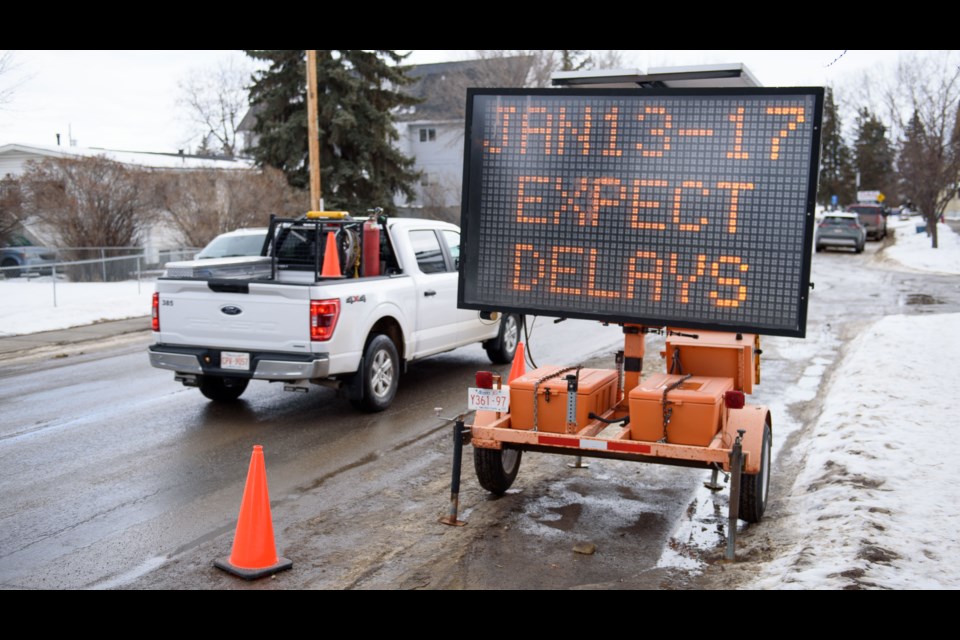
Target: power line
837, 58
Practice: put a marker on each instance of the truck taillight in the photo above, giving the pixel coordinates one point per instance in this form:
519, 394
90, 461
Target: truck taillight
323, 319
155, 322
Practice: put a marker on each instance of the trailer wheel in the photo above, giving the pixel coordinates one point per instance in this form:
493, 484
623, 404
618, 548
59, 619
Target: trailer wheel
375, 385
496, 468
221, 389
754, 488
502, 348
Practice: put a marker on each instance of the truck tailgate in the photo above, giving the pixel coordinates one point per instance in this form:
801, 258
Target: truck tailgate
236, 315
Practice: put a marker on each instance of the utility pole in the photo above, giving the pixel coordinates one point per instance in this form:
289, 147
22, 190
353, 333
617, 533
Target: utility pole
313, 134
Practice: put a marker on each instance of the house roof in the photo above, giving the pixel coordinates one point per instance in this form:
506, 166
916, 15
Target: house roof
136, 158
442, 86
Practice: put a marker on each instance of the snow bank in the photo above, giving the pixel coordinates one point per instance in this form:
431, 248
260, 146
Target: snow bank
913, 249
875, 502
28, 306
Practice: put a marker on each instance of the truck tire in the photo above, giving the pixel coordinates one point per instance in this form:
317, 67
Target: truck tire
496, 468
754, 488
501, 349
11, 273
374, 386
221, 389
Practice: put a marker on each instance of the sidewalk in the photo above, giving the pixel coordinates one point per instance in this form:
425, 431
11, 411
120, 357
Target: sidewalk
11, 346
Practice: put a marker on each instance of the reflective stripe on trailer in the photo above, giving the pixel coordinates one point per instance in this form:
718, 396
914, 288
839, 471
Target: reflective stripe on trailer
599, 445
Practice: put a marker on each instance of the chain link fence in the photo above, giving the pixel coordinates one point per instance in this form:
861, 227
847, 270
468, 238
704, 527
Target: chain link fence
94, 264
97, 264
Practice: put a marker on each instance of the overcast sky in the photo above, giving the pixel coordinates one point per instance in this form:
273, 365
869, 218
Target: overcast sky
128, 99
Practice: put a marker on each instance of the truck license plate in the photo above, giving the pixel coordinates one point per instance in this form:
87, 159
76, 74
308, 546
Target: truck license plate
234, 360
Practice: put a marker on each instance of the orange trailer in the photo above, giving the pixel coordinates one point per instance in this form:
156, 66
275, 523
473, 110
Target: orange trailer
694, 415
673, 202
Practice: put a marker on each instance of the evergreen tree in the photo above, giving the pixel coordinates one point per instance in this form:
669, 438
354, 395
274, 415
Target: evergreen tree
357, 93
874, 154
836, 169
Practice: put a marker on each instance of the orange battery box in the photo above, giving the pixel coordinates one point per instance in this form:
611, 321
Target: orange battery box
695, 409
596, 392
715, 354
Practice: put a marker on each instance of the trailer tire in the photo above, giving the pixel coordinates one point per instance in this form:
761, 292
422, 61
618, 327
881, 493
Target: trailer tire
755, 488
220, 389
502, 348
374, 386
496, 468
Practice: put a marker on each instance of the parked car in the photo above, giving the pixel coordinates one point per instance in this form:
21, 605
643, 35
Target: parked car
242, 242
840, 229
234, 254
27, 258
873, 217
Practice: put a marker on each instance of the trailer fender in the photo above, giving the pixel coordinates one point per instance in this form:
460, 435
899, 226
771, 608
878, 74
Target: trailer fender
487, 419
752, 420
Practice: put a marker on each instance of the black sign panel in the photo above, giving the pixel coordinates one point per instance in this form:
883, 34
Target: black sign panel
688, 208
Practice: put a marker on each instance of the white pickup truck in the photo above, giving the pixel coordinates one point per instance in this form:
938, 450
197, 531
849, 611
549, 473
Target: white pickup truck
285, 318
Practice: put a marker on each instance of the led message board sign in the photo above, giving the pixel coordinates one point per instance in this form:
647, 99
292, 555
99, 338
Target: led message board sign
689, 208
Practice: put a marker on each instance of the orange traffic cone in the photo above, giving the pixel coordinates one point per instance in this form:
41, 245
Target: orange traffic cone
331, 258
254, 554
518, 368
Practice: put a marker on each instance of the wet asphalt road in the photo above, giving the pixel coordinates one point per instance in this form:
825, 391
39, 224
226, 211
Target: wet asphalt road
113, 476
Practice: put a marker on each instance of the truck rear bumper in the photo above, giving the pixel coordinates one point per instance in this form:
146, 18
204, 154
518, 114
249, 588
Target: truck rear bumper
263, 365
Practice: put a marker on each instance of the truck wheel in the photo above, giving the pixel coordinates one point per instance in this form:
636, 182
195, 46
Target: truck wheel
221, 389
754, 488
502, 348
11, 273
375, 385
496, 468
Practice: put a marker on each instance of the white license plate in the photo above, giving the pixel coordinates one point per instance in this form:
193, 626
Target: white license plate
234, 360
488, 399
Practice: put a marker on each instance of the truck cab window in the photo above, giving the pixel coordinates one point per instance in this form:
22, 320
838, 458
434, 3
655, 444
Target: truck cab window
452, 238
426, 247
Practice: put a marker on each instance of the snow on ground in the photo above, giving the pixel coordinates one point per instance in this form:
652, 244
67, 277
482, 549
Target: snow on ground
873, 505
28, 305
913, 249
875, 502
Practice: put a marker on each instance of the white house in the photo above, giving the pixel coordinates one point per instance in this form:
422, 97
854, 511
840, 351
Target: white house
432, 132
160, 236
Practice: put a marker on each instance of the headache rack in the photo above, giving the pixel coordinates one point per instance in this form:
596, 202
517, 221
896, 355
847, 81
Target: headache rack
301, 245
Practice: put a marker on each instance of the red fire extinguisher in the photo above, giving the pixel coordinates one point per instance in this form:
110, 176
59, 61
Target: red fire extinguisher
371, 247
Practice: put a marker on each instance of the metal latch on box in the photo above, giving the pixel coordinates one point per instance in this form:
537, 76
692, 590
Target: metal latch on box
536, 389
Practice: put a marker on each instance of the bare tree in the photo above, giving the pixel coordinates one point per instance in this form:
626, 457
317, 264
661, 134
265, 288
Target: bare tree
435, 197
922, 98
11, 207
88, 202
516, 67
204, 203
607, 59
215, 100
6, 66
